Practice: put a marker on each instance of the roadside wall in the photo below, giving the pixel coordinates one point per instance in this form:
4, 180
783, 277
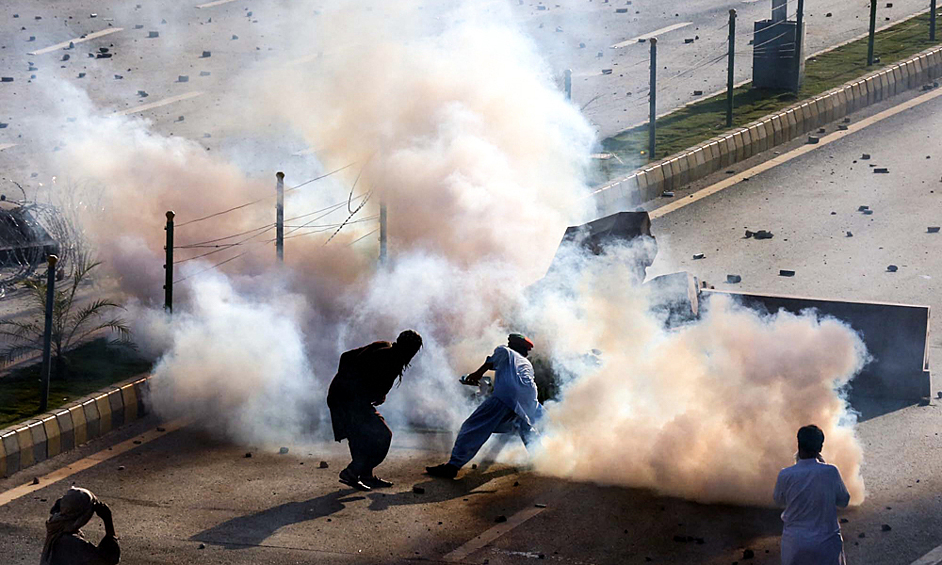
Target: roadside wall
695, 163
65, 428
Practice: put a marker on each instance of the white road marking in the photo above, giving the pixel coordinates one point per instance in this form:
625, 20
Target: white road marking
6, 146
934, 557
492, 534
216, 3
89, 462
88, 37
655, 33
840, 134
159, 103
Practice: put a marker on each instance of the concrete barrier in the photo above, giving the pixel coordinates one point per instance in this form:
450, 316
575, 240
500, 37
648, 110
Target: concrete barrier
65, 428
896, 336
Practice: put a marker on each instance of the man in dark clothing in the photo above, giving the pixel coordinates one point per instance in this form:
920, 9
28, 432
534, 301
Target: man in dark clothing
364, 378
65, 544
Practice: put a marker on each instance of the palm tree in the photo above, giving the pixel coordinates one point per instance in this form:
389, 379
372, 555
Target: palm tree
69, 328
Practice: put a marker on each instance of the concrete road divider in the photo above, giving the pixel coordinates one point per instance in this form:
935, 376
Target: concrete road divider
676, 171
65, 428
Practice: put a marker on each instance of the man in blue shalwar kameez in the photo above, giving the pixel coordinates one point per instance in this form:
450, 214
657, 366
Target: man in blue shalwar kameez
513, 406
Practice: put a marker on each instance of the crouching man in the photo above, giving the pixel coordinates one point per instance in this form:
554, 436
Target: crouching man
65, 544
513, 407
811, 491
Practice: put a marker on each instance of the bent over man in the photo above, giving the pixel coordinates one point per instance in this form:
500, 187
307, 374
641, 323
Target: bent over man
811, 491
364, 378
65, 544
513, 407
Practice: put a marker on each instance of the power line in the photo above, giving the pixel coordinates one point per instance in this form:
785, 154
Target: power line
362, 237
239, 207
221, 263
210, 241
225, 247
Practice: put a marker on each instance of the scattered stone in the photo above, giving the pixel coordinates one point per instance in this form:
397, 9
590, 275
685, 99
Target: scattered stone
153, 34
933, 229
842, 127
786, 273
821, 130
31, 38
621, 10
248, 455
160, 429
137, 442
183, 78
93, 15
118, 77
3, 125
892, 268
205, 73
6, 79
474, 465
889, 4
418, 490
206, 55
844, 520
81, 75
139, 26
667, 194
828, 15
865, 156
500, 519
868, 212
688, 40
581, 45
283, 450
734, 279
540, 505
163, 21
66, 57
35, 480
180, 119
885, 527
606, 71
862, 535
698, 256
323, 465
234, 37
120, 467
559, 29
863, 208
850, 234
812, 139
142, 94
882, 170
248, 15
516, 483
748, 554
202, 546
698, 93
763, 234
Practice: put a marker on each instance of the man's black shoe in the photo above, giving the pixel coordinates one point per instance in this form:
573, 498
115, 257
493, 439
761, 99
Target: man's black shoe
446, 471
347, 478
376, 482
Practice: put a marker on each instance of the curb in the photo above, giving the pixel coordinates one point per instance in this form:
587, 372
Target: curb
65, 428
699, 161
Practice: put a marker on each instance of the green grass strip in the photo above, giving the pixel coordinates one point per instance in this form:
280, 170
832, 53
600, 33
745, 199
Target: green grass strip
92, 366
705, 119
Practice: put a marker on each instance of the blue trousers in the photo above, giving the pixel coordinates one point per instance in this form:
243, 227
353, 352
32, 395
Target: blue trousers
491, 417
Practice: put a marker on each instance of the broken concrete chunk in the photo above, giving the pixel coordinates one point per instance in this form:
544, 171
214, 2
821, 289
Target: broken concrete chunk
748, 554
688, 40
667, 194
885, 527
842, 127
323, 465
206, 54
862, 208
865, 156
142, 94
892, 268
883, 170
153, 34
606, 71
844, 520
868, 212
763, 234
235, 36
500, 519
850, 234
418, 490
81, 75
283, 451
66, 57
205, 73
812, 139
183, 78
35, 480
6, 79
139, 26
621, 10
786, 273
248, 455
698, 256
733, 279
933, 229
698, 93
118, 77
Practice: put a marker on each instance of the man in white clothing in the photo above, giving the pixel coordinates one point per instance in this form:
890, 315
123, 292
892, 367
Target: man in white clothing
811, 491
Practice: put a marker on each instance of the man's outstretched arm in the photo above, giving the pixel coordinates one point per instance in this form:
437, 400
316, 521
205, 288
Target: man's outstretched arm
476, 376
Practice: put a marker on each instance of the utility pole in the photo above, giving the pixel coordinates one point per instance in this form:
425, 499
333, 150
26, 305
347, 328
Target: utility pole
873, 29
799, 37
280, 217
652, 119
168, 267
729, 71
47, 332
932, 20
382, 231
567, 82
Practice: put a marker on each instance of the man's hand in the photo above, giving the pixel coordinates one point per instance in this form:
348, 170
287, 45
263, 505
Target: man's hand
379, 402
104, 512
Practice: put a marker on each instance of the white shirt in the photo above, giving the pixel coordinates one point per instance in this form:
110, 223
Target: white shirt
811, 492
514, 384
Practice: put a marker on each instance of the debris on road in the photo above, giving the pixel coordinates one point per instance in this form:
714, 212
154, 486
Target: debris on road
248, 455
868, 212
206, 54
234, 37
698, 93
418, 490
761, 234
668, 194
120, 467
6, 79
540, 505
933, 229
748, 554
183, 78
606, 71
202, 546
862, 535
733, 279
881, 170
885, 527
323, 465
786, 273
142, 94
35, 480
153, 34
844, 520
500, 519
813, 139
850, 234
892, 268
160, 429
865, 156
205, 73
698, 256
283, 450
66, 57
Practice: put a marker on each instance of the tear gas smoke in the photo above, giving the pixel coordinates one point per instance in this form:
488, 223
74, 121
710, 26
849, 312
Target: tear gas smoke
453, 122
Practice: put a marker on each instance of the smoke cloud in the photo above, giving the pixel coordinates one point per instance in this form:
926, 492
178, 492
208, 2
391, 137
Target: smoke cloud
450, 118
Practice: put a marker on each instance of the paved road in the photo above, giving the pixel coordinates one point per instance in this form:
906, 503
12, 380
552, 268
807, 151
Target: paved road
184, 489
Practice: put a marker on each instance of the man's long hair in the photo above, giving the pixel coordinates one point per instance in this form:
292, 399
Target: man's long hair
410, 343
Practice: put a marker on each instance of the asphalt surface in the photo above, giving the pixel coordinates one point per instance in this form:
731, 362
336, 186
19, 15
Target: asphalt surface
184, 491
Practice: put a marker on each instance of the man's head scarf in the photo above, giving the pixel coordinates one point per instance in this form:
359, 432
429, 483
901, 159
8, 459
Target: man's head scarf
67, 517
520, 339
